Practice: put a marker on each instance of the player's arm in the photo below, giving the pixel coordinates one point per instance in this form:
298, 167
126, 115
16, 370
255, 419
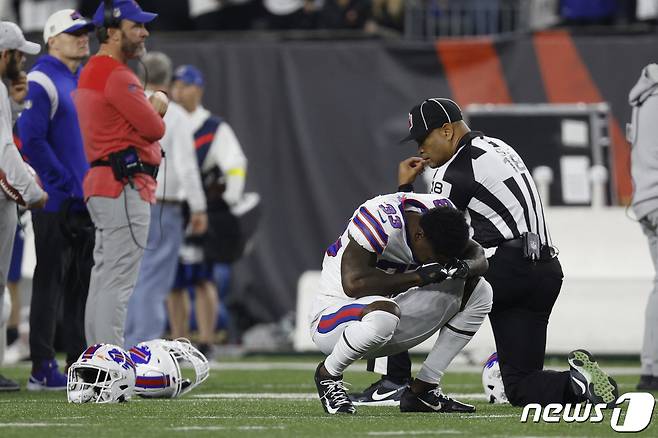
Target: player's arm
33, 127
126, 94
361, 278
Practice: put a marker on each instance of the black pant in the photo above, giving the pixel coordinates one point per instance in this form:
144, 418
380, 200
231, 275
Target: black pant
524, 294
64, 245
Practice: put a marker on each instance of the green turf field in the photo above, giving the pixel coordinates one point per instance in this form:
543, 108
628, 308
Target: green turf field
274, 397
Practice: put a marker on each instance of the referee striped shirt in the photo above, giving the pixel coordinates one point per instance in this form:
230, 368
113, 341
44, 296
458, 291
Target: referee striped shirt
488, 180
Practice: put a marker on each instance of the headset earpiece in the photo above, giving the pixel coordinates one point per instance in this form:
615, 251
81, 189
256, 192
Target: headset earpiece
109, 20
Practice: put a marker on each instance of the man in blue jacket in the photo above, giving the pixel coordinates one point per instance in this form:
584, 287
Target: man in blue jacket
52, 143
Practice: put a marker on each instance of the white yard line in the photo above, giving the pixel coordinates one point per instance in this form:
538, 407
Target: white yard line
361, 367
39, 425
492, 416
298, 395
200, 428
415, 432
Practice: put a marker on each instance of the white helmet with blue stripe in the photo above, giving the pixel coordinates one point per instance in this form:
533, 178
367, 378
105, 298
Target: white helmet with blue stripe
161, 365
492, 381
104, 373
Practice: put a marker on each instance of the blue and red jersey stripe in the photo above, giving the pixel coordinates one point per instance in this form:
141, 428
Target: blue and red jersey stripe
375, 223
350, 312
368, 234
414, 203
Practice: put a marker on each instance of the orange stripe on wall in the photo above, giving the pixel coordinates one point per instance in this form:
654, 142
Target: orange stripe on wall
567, 80
473, 70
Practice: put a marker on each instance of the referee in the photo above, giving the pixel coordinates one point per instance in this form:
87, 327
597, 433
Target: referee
487, 179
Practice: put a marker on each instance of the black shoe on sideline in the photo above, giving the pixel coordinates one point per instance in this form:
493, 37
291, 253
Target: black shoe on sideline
383, 392
333, 394
432, 400
648, 383
7, 385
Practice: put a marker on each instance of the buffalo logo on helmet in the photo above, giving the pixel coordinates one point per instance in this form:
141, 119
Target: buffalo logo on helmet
140, 354
121, 358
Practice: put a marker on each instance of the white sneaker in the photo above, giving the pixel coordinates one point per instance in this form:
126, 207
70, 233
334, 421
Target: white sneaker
17, 352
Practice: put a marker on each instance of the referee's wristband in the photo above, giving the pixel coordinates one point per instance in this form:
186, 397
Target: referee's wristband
406, 188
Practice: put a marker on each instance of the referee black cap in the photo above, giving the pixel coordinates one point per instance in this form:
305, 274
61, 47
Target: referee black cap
431, 114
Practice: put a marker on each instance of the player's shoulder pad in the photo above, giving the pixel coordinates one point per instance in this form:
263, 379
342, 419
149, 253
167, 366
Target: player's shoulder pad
375, 221
421, 202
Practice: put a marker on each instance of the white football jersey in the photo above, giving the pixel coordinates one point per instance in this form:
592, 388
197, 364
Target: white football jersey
378, 226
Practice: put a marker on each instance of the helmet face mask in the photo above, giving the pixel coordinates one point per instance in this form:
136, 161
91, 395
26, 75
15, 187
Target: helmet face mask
103, 373
187, 355
492, 381
159, 366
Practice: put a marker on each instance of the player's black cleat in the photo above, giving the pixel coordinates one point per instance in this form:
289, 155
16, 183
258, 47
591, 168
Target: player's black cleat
432, 400
333, 394
381, 393
590, 381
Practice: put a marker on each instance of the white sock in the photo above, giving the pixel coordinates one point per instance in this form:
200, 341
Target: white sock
454, 336
447, 346
374, 330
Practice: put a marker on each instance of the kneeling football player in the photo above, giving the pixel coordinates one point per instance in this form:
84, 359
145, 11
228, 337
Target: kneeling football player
401, 271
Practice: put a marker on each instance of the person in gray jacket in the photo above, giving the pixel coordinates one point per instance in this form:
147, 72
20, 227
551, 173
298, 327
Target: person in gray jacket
13, 48
643, 135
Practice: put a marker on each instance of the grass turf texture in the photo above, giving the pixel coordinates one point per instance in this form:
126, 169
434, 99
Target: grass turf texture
31, 414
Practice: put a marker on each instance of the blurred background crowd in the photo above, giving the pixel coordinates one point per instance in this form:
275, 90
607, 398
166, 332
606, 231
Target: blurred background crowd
411, 18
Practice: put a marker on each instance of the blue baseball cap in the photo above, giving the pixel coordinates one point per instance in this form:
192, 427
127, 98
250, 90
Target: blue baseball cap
123, 10
189, 74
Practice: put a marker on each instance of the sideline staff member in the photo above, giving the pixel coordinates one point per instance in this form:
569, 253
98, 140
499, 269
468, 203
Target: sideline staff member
644, 160
120, 129
63, 233
487, 179
13, 48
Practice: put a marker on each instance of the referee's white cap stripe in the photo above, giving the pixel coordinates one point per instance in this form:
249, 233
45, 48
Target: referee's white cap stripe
423, 115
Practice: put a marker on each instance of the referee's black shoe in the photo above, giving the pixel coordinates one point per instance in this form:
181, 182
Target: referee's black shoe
590, 381
383, 392
432, 400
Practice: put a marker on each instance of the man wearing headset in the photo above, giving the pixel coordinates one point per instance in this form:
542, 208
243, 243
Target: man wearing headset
120, 130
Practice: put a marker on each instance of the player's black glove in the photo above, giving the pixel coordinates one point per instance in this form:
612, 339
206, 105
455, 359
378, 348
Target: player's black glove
457, 268
432, 273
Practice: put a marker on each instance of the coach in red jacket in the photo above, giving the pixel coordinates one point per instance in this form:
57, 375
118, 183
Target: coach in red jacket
120, 130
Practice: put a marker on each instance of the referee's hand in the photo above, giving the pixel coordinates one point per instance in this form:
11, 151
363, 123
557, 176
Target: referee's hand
409, 169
